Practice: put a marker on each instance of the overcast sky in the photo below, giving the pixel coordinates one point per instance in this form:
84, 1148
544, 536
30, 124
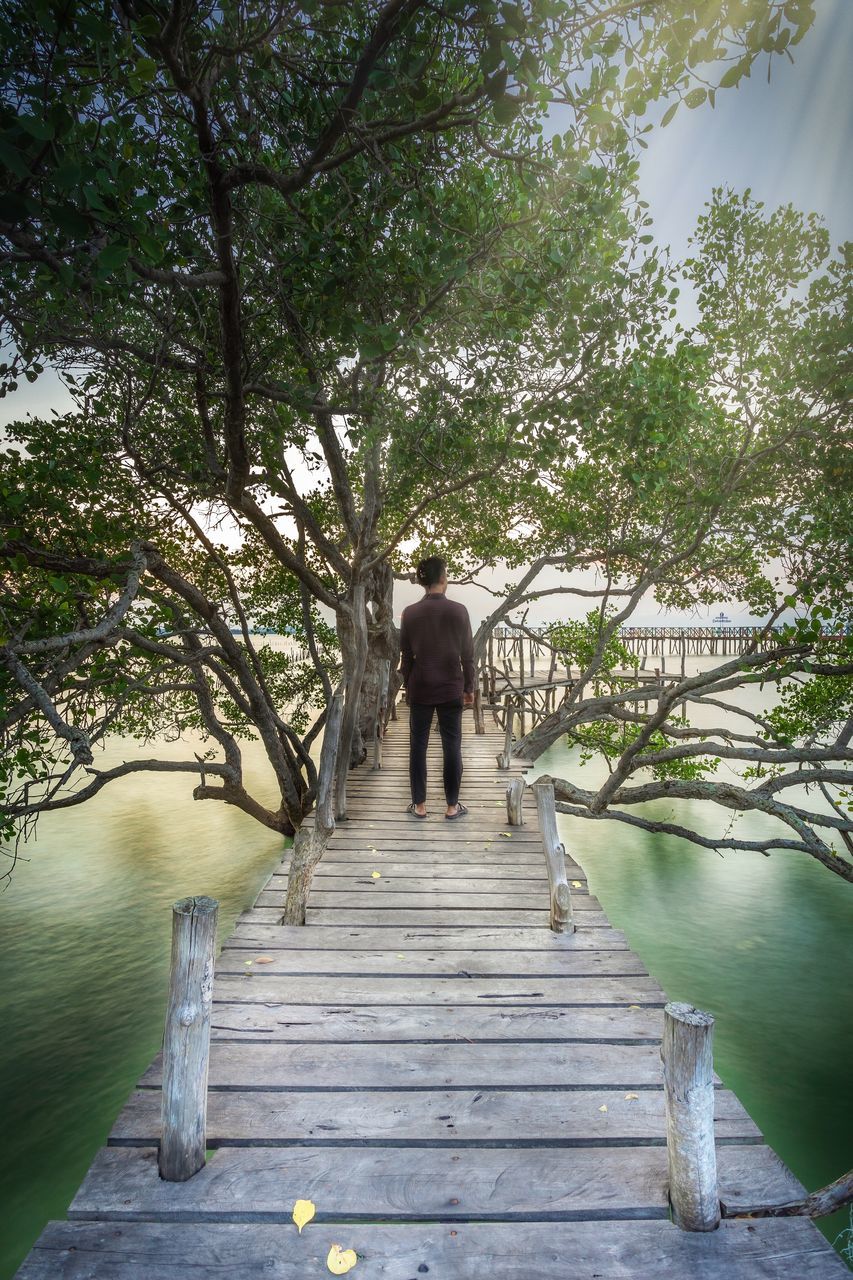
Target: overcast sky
789, 141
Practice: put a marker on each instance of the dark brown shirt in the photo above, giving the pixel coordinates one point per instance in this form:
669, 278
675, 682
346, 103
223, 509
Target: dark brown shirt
437, 650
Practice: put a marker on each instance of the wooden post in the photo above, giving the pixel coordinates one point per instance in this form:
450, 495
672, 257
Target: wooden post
186, 1039
506, 755
555, 860
514, 802
688, 1074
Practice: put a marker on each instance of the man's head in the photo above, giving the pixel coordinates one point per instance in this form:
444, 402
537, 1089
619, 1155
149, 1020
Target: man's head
432, 574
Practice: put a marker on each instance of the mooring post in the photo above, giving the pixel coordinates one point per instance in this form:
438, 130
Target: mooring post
506, 755
514, 802
186, 1038
555, 860
688, 1074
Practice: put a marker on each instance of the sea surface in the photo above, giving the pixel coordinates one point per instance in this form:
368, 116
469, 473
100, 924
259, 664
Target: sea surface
763, 943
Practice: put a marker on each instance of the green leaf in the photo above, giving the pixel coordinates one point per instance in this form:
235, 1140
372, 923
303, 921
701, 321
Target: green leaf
668, 114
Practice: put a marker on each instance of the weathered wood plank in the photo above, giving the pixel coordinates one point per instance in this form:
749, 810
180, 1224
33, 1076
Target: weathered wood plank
428, 938
386, 883
426, 898
257, 985
257, 1184
452, 1065
363, 862
435, 1023
510, 1116
446, 917
447, 963
653, 1250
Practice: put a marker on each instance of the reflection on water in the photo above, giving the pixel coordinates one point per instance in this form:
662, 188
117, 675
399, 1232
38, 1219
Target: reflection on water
764, 943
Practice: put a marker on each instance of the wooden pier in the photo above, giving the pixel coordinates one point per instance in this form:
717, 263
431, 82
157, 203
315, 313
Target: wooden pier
461, 1092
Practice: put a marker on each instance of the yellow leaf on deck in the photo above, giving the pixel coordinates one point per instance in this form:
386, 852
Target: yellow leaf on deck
577, 884
303, 1212
377, 875
631, 1097
247, 962
604, 1108
633, 1006
506, 834
400, 955
340, 1261
264, 960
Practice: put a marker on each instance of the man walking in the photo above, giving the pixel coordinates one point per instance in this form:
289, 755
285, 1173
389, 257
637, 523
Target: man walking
437, 666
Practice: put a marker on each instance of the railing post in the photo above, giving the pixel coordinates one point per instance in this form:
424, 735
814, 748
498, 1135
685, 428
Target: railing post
186, 1039
688, 1073
505, 756
514, 802
555, 860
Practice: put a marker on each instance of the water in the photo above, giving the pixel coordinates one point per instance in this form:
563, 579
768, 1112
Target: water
762, 943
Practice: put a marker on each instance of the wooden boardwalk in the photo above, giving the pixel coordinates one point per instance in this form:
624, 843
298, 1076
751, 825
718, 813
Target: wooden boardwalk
461, 1092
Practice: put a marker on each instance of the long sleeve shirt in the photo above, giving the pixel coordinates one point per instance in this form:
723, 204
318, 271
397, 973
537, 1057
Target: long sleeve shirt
437, 650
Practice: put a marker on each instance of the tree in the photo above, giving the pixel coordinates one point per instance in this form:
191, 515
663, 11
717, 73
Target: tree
258, 236
727, 476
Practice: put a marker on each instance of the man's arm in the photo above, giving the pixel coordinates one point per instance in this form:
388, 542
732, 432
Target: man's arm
467, 655
406, 655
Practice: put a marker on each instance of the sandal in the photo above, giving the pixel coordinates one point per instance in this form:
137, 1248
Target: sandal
413, 811
460, 813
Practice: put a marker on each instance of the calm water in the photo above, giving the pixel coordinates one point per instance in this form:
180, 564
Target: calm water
85, 924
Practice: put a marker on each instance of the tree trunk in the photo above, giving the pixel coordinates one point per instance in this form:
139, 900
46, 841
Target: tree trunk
353, 635
310, 843
383, 644
541, 736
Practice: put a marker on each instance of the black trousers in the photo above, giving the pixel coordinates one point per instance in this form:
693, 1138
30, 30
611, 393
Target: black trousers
450, 728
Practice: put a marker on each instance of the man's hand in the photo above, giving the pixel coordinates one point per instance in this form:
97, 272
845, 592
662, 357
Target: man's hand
467, 699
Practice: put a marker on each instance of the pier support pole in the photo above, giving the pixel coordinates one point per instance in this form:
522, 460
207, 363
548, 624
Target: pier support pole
506, 755
555, 860
186, 1039
688, 1072
514, 802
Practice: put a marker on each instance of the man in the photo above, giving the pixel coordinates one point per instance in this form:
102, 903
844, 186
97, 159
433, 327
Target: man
437, 666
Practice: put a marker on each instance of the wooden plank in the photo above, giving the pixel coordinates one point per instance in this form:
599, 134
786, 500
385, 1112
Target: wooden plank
260, 1184
513, 1116
415, 938
256, 985
445, 917
452, 1065
364, 862
425, 898
444, 963
361, 880
435, 1023
768, 1249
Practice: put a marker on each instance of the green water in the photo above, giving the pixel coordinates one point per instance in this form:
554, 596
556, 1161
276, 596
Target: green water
85, 925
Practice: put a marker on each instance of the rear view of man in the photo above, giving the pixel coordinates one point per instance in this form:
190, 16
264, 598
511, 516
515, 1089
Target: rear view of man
437, 666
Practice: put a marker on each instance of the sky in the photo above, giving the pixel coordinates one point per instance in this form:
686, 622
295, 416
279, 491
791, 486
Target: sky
789, 140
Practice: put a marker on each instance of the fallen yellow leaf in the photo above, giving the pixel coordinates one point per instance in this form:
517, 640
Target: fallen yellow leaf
377, 875
631, 1097
247, 962
507, 834
264, 960
577, 884
604, 1108
340, 1261
400, 955
303, 1212
633, 1006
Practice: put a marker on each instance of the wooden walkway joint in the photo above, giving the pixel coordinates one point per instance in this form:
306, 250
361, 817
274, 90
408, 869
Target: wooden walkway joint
460, 1090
